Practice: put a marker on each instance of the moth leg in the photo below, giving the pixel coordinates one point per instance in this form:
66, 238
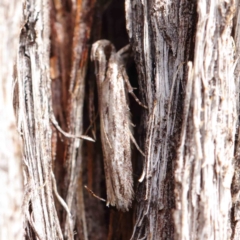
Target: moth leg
135, 143
130, 89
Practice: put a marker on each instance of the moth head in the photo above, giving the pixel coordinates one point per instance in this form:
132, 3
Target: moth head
102, 49
101, 52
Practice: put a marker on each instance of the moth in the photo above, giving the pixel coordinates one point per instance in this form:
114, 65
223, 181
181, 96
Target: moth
115, 124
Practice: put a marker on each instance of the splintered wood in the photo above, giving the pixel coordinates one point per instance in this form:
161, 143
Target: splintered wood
116, 134
205, 165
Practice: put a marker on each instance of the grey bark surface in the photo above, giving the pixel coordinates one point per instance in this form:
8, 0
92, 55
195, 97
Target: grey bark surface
161, 34
185, 57
205, 159
34, 112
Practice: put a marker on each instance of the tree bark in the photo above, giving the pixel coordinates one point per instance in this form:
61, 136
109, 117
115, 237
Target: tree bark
162, 35
11, 178
187, 70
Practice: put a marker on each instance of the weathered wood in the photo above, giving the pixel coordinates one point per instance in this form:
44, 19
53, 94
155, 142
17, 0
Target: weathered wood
205, 156
161, 34
34, 112
188, 85
71, 28
73, 155
186, 54
235, 216
11, 179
